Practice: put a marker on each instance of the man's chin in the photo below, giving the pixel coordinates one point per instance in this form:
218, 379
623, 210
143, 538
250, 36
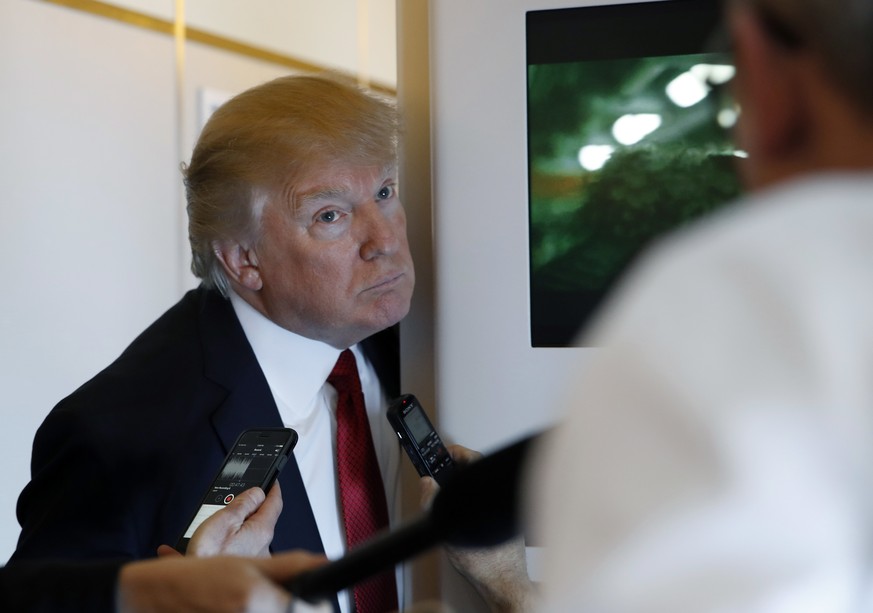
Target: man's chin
388, 313
393, 318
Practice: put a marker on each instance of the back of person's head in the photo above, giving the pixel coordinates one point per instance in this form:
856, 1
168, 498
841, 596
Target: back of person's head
256, 145
839, 32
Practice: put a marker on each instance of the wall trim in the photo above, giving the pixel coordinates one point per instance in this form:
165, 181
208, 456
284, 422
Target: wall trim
163, 26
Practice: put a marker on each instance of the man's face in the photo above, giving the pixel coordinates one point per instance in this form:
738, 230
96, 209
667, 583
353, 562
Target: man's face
334, 258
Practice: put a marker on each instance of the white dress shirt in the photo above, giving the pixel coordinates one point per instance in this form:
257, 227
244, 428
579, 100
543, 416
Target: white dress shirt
296, 369
718, 454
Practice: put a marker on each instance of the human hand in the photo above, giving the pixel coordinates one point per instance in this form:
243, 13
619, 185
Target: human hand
243, 528
217, 584
428, 486
498, 573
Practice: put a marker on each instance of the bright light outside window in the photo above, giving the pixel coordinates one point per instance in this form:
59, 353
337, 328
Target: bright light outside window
593, 157
631, 129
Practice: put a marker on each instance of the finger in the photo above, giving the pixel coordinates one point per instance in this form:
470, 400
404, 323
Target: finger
267, 515
273, 503
165, 551
427, 488
231, 517
462, 455
246, 503
240, 508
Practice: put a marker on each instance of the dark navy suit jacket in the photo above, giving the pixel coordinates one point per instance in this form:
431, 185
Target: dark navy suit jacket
48, 586
120, 465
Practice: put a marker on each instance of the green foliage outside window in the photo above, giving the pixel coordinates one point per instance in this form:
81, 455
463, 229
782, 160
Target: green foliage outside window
586, 226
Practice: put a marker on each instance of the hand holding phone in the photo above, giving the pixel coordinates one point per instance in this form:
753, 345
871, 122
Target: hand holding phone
420, 440
255, 460
245, 527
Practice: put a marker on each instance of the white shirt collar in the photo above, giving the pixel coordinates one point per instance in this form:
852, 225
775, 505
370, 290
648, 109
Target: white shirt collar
296, 367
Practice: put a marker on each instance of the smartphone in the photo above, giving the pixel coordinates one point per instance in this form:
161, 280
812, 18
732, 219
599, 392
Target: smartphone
255, 459
419, 438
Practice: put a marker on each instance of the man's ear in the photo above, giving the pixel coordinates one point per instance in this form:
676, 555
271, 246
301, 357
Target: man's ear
769, 88
240, 264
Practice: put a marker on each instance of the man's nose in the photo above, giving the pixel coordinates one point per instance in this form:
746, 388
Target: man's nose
379, 231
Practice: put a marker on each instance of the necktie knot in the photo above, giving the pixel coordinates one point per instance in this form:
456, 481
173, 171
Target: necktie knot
344, 375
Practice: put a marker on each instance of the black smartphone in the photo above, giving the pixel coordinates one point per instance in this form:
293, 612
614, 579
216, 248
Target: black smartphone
255, 459
419, 438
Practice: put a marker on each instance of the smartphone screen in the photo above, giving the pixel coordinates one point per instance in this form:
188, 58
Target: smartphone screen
254, 461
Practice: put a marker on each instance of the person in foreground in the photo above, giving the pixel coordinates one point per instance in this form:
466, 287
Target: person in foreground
173, 582
719, 457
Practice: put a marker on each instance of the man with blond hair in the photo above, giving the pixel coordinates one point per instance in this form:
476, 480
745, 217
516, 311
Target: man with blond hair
299, 237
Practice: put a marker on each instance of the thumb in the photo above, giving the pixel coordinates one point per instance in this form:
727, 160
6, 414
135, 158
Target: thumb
248, 501
427, 489
240, 508
165, 551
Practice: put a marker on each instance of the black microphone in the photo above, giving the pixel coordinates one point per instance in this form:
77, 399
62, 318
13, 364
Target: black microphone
478, 507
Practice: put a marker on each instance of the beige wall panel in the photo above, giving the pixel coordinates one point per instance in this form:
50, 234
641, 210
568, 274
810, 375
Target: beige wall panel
88, 212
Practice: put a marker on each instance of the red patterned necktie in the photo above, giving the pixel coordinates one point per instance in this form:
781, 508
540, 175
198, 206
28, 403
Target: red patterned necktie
365, 511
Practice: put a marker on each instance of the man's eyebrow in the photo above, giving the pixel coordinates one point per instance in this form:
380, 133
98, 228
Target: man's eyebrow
329, 192
321, 193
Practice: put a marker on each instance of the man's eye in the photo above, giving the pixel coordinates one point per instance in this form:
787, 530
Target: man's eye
328, 216
386, 192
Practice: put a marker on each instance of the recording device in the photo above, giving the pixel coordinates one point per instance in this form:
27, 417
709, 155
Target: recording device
480, 506
420, 440
255, 459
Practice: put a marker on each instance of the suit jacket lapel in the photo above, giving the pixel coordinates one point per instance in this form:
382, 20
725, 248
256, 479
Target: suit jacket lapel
231, 363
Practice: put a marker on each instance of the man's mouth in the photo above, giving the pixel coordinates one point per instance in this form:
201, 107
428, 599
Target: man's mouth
387, 281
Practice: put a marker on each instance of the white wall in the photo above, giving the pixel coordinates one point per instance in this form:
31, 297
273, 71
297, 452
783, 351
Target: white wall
356, 36
491, 386
88, 223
